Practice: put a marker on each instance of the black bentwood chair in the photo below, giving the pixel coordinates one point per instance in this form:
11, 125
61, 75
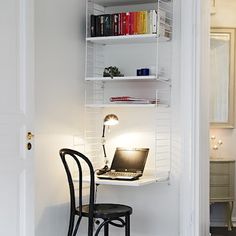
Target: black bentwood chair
110, 214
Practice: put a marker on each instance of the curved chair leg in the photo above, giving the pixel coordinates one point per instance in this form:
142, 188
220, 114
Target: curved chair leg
102, 225
106, 229
90, 227
71, 225
77, 226
127, 225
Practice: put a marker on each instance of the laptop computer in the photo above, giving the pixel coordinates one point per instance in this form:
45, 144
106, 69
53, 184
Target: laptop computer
127, 164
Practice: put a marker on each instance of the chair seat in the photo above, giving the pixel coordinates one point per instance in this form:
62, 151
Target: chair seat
107, 210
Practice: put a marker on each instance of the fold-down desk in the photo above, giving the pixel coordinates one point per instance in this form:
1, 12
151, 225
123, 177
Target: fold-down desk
144, 180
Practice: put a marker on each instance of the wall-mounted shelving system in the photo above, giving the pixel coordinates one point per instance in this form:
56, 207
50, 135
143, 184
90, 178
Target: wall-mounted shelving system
129, 53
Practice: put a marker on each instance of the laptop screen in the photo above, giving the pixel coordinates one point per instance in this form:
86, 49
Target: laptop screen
130, 160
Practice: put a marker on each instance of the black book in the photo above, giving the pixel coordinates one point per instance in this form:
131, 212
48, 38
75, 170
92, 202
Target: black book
93, 25
115, 24
98, 26
107, 25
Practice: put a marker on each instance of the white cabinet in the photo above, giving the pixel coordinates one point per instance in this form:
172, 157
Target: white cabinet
129, 53
222, 175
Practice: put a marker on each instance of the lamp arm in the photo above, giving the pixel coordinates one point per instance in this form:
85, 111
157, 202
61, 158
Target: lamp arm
104, 151
103, 144
103, 131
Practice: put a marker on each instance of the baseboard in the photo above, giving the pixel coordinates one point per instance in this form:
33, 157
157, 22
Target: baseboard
221, 222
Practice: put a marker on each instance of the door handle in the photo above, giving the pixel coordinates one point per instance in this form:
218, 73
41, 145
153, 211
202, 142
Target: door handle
29, 136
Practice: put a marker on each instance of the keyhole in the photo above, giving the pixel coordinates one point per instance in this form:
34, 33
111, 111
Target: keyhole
29, 146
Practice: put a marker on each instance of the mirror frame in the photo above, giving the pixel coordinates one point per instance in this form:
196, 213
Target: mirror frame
231, 97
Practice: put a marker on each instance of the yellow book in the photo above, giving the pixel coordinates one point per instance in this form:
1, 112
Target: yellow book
145, 22
139, 22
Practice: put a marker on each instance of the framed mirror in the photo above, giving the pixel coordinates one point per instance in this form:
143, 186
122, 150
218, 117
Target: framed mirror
222, 77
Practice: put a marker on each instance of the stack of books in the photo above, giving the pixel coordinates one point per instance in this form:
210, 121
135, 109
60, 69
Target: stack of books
133, 100
130, 23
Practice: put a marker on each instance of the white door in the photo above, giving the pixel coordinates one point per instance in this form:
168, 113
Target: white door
16, 106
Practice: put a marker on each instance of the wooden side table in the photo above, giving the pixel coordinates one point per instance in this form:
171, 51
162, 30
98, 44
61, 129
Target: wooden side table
222, 172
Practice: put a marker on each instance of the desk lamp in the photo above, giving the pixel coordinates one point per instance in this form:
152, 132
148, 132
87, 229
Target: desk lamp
109, 120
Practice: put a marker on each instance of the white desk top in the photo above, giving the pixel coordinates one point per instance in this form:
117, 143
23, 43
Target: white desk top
144, 180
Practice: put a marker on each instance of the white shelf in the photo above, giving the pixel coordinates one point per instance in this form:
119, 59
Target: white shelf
107, 3
124, 39
127, 105
124, 78
149, 78
144, 180
159, 106
120, 105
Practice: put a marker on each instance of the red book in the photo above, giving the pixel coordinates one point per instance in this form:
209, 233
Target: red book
135, 22
127, 23
122, 98
131, 22
134, 100
123, 24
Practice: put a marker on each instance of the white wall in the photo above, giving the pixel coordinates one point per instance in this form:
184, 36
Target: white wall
59, 114
224, 17
59, 35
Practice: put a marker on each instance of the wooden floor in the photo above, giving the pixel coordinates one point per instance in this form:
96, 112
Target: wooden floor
221, 231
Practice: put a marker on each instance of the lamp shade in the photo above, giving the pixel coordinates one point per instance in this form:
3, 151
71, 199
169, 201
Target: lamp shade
111, 119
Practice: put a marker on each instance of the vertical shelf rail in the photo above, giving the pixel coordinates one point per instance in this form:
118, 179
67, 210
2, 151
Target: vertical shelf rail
94, 92
163, 142
164, 50
163, 114
92, 135
94, 52
164, 95
167, 8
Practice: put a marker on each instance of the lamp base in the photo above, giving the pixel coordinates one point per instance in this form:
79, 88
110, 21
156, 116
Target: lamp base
103, 170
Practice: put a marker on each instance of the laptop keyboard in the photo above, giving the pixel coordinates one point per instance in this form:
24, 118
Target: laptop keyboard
120, 175
129, 174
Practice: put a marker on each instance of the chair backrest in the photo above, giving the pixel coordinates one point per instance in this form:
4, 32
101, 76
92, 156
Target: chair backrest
65, 154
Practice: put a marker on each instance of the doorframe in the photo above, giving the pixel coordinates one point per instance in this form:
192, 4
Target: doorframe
194, 184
